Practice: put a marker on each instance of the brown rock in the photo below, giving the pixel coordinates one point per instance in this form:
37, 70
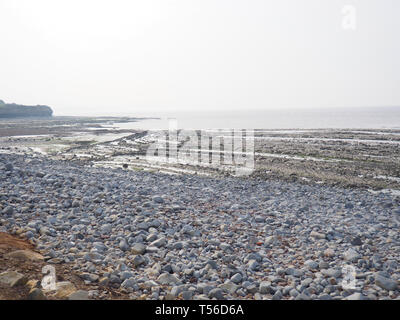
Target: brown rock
103, 281
25, 255
12, 278
36, 294
64, 289
31, 284
79, 295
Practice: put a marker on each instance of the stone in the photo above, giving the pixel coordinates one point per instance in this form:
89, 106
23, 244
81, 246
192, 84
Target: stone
178, 245
126, 275
176, 290
306, 282
216, 293
187, 295
213, 264
25, 255
259, 219
105, 229
167, 278
36, 294
332, 273
13, 278
355, 296
386, 283
236, 278
8, 211
265, 287
79, 295
253, 265
313, 265
128, 284
329, 253
252, 288
64, 289
123, 245
138, 260
317, 235
269, 240
103, 282
158, 199
31, 284
75, 204
159, 243
151, 237
356, 241
277, 295
294, 272
293, 293
90, 277
138, 248
351, 255
229, 286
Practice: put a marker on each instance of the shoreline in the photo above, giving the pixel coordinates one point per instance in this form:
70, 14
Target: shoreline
345, 157
117, 227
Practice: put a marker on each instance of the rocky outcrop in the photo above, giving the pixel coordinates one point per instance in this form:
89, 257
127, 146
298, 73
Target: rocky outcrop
13, 110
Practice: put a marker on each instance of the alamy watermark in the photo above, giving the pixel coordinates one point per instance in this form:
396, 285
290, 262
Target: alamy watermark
228, 148
49, 280
349, 17
349, 277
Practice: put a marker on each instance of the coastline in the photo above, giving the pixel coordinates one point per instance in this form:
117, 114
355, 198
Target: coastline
174, 231
360, 158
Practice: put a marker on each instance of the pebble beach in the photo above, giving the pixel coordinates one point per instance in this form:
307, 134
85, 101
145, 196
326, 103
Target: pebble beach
158, 236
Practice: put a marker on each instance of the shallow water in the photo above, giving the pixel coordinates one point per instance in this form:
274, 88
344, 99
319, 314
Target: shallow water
355, 118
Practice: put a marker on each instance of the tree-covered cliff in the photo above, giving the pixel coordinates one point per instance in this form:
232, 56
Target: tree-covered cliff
12, 110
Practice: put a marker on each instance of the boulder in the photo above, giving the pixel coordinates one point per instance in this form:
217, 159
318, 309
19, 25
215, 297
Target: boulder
13, 278
25, 255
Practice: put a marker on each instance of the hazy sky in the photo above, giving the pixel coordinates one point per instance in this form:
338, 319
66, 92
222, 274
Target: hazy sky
99, 57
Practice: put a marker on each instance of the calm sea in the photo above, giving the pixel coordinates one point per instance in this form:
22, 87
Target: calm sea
361, 118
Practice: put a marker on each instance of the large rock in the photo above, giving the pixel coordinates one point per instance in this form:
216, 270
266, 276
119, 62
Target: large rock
25, 255
79, 295
167, 278
12, 278
138, 260
64, 289
138, 248
89, 277
386, 283
36, 294
351, 255
265, 287
159, 243
355, 296
8, 211
332, 273
237, 278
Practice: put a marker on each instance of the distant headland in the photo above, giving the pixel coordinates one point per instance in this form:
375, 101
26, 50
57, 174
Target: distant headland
12, 110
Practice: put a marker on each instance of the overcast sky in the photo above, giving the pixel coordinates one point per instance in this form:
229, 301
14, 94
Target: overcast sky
99, 57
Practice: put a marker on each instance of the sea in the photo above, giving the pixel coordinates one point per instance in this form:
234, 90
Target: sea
339, 118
